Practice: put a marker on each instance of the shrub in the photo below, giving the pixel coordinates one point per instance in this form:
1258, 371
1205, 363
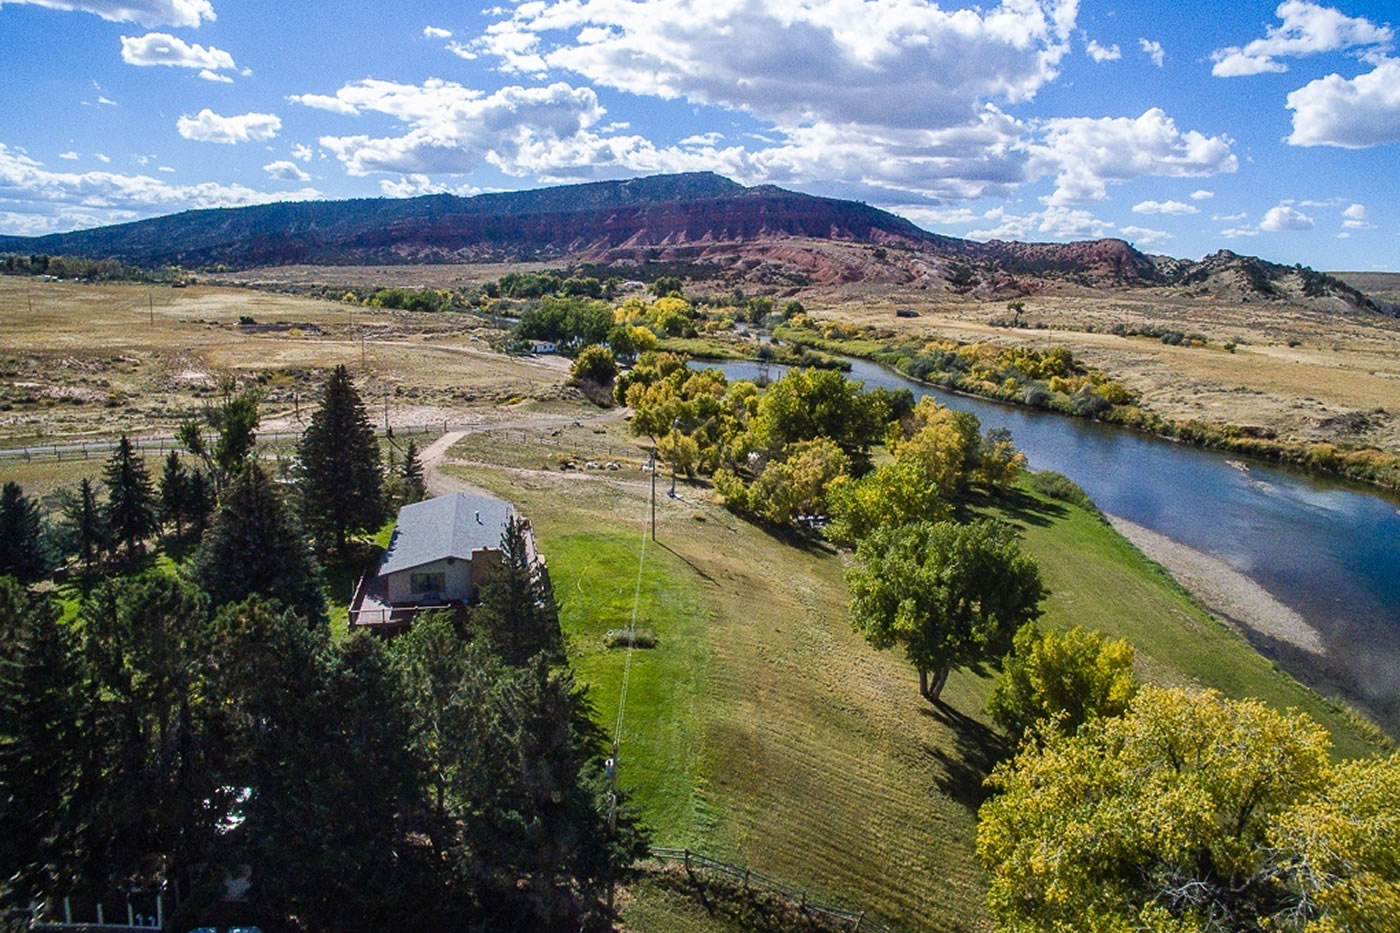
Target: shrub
1059, 486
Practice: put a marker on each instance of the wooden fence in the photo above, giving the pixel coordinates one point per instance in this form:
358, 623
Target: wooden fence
694, 862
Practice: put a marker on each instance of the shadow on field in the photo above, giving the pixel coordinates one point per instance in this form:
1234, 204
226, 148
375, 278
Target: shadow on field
687, 561
976, 749
1017, 506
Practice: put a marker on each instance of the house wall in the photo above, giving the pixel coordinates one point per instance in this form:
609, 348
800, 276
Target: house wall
457, 582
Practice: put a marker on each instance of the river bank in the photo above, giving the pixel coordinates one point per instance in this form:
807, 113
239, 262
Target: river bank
1364, 465
1222, 589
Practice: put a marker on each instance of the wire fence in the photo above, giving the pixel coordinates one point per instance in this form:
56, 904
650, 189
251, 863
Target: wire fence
854, 920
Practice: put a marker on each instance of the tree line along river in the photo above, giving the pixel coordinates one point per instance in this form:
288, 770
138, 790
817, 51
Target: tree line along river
1327, 549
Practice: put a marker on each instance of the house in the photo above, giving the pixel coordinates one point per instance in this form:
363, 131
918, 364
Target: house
542, 347
440, 552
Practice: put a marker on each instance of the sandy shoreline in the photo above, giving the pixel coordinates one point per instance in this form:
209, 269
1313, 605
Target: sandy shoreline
1223, 589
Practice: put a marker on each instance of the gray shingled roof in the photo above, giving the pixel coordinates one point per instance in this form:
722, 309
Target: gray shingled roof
453, 525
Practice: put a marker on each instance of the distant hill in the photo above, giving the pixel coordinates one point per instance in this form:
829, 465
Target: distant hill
687, 217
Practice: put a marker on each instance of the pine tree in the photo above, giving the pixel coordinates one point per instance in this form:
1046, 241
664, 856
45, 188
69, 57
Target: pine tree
131, 500
39, 745
175, 493
252, 547
341, 485
411, 475
199, 501
517, 615
23, 554
82, 528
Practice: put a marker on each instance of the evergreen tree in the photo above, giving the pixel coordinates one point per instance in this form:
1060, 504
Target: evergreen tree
517, 614
40, 744
411, 475
199, 501
82, 527
23, 551
341, 485
252, 547
175, 493
131, 501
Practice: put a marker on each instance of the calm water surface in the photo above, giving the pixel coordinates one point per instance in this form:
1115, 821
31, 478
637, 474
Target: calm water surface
1329, 550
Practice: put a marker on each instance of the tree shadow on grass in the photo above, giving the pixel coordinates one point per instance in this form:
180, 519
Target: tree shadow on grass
976, 750
1017, 505
687, 561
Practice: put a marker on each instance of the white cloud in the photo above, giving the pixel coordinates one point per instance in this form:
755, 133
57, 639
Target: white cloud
159, 48
65, 200
1283, 217
895, 63
461, 50
1145, 236
164, 168
70, 155
1086, 153
1202, 194
1234, 233
209, 127
1055, 222
301, 152
103, 157
1356, 217
436, 32
1164, 207
148, 13
1100, 54
105, 102
285, 171
324, 102
454, 129
702, 139
933, 217
208, 75
1154, 51
1229, 218
1352, 114
412, 186
1307, 29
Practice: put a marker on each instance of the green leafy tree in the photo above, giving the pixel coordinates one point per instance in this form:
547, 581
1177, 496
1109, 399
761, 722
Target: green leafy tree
894, 493
798, 483
810, 403
131, 500
23, 548
595, 364
948, 594
235, 425
1059, 681
81, 531
1191, 813
252, 547
517, 614
341, 487
667, 285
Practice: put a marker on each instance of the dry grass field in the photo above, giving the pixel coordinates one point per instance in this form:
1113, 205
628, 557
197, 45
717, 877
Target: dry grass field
84, 360
1315, 374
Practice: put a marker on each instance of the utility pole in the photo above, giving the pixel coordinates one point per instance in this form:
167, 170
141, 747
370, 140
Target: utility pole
363, 365
387, 431
151, 303
612, 814
652, 467
675, 452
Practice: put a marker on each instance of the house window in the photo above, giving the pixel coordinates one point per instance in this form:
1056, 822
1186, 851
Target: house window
427, 582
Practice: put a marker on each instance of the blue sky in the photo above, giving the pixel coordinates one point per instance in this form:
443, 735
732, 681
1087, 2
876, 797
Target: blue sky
1184, 127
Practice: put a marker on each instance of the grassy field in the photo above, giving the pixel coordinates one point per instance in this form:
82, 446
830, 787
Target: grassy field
82, 360
762, 730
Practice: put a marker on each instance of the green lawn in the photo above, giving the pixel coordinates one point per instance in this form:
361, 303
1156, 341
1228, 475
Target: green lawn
1097, 579
763, 731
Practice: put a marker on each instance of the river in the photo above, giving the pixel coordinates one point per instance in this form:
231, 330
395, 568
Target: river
1329, 550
